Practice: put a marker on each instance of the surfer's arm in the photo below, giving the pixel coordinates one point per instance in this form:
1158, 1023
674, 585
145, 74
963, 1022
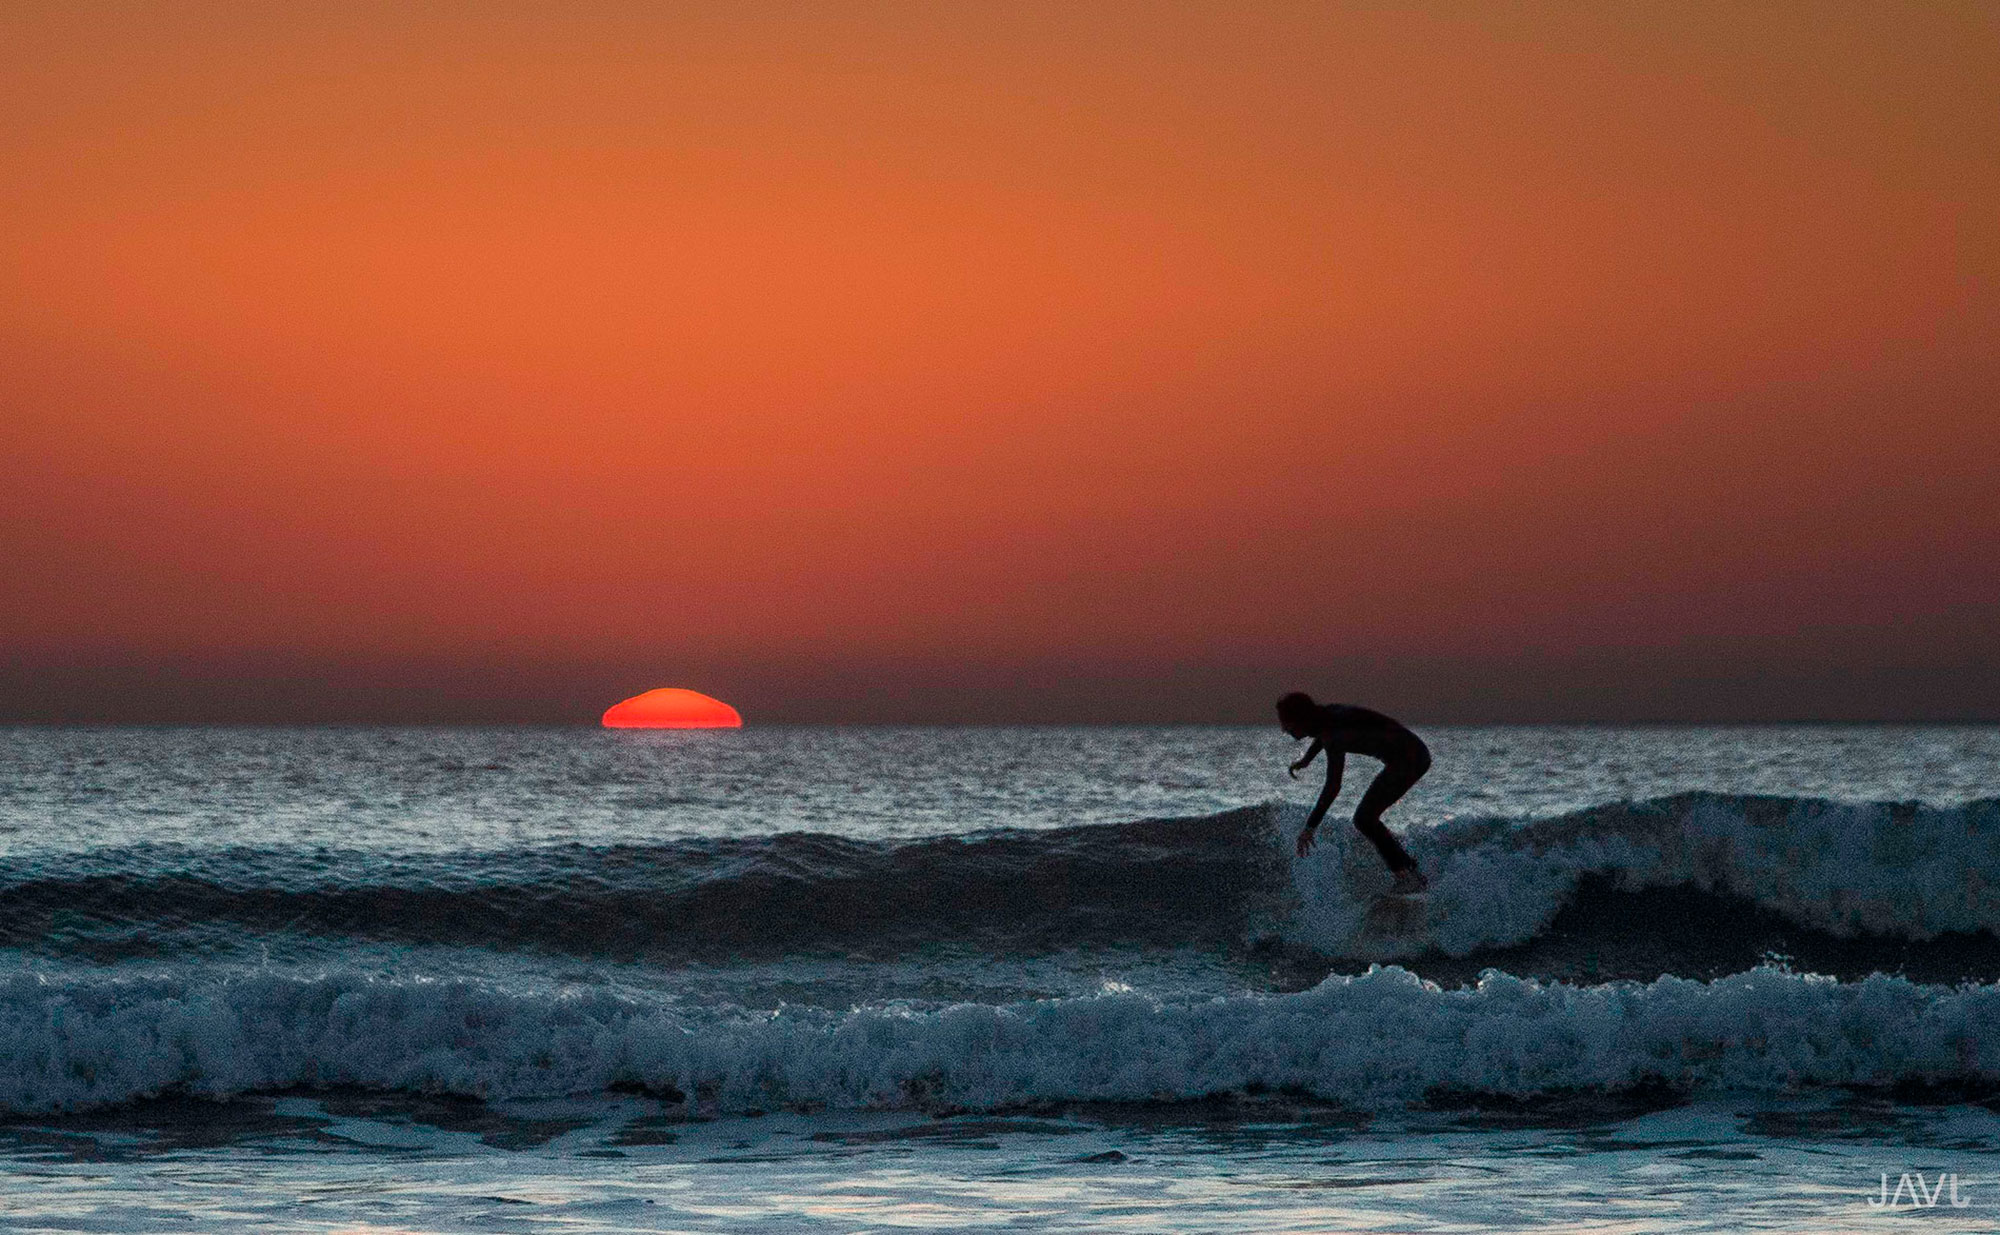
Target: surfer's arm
1312, 753
1336, 763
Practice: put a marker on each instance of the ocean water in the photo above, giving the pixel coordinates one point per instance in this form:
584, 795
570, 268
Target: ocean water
967, 979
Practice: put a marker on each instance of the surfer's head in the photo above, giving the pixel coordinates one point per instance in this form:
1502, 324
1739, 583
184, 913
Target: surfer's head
1296, 714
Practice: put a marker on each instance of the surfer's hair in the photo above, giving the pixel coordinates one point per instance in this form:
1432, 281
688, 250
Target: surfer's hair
1297, 707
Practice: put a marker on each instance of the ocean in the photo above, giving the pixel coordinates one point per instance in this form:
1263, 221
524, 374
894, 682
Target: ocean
1021, 979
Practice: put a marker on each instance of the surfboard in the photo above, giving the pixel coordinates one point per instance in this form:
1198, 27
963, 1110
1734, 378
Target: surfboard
1395, 914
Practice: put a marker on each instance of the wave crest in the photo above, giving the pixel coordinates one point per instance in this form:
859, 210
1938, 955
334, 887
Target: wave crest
1899, 870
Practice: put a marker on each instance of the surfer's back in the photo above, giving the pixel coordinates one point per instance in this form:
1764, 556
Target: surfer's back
1364, 731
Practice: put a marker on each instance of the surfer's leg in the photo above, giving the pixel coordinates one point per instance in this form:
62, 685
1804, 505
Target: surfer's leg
1391, 783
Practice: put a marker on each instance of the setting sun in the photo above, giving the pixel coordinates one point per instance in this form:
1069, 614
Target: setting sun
672, 708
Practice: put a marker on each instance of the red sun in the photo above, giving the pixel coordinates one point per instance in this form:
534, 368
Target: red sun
672, 708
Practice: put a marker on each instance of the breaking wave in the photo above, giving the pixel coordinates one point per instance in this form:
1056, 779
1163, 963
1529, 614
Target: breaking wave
1371, 1041
1900, 871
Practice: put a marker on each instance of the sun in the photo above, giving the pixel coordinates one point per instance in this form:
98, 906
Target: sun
670, 707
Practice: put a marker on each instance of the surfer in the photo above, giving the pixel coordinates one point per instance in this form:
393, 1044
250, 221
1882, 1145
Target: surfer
1340, 731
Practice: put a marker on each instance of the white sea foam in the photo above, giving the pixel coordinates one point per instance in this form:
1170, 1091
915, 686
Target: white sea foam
1375, 1040
1893, 869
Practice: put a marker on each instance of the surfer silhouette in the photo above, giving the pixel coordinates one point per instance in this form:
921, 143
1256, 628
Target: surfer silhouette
1341, 730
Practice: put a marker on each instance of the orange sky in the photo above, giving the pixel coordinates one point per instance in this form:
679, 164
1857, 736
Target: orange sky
939, 361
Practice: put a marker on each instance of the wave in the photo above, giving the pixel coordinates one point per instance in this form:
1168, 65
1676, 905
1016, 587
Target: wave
1373, 1041
1156, 882
1695, 884
1901, 871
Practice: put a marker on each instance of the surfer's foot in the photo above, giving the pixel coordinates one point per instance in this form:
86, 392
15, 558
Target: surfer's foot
1409, 880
